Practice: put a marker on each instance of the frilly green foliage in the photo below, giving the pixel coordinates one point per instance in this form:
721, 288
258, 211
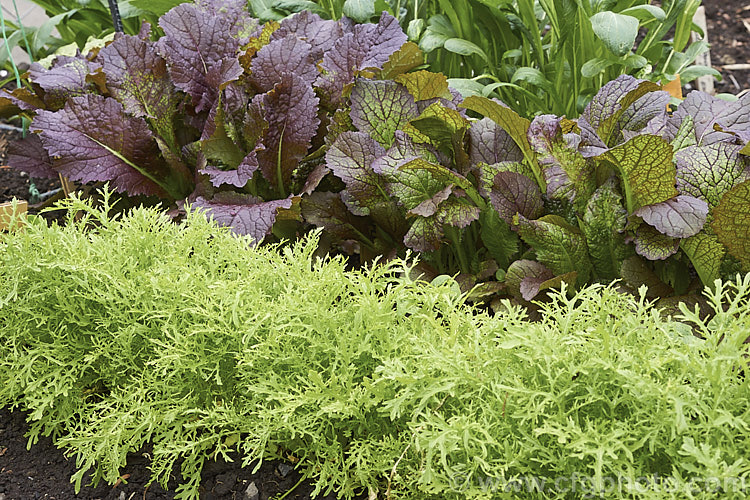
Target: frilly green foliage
121, 332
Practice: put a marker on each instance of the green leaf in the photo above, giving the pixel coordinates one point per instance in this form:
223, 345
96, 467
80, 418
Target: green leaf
403, 60
423, 85
646, 170
617, 31
593, 67
515, 125
603, 223
500, 241
464, 47
646, 12
732, 222
156, 7
534, 77
705, 253
696, 71
558, 245
444, 126
359, 10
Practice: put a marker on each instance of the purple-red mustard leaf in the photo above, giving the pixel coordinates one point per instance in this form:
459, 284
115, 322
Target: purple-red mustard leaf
707, 172
65, 79
708, 111
28, 155
424, 235
646, 170
244, 214
558, 245
314, 178
457, 214
654, 245
513, 193
236, 177
731, 222
528, 277
326, 210
650, 108
429, 206
636, 272
486, 174
93, 139
200, 51
680, 217
403, 150
288, 55
367, 46
291, 110
381, 107
567, 173
20, 99
311, 28
602, 120
350, 158
241, 23
137, 77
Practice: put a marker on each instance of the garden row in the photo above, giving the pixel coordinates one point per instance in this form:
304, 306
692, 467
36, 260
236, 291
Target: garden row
118, 333
276, 128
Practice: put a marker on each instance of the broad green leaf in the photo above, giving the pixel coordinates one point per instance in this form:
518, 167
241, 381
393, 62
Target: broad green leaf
603, 224
438, 172
746, 150
423, 85
646, 12
403, 60
515, 125
617, 31
654, 245
646, 170
359, 10
444, 127
464, 48
558, 245
707, 172
685, 135
500, 241
732, 222
533, 77
705, 253
157, 7
593, 67
697, 71
381, 107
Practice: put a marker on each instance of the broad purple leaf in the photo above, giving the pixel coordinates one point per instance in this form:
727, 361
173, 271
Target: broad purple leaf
489, 143
350, 158
648, 109
29, 156
566, 172
65, 79
288, 55
429, 206
236, 177
426, 233
137, 77
309, 27
314, 178
707, 172
381, 107
291, 111
603, 118
244, 214
93, 139
403, 150
486, 174
201, 52
514, 193
681, 217
326, 210
707, 111
528, 277
654, 245
367, 46
241, 23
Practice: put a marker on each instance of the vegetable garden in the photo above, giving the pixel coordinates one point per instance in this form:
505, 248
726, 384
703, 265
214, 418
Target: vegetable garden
415, 250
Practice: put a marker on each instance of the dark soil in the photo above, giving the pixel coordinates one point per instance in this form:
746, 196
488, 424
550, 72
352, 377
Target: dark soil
729, 35
44, 472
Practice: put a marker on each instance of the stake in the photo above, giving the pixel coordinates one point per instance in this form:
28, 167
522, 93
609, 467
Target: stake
115, 11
